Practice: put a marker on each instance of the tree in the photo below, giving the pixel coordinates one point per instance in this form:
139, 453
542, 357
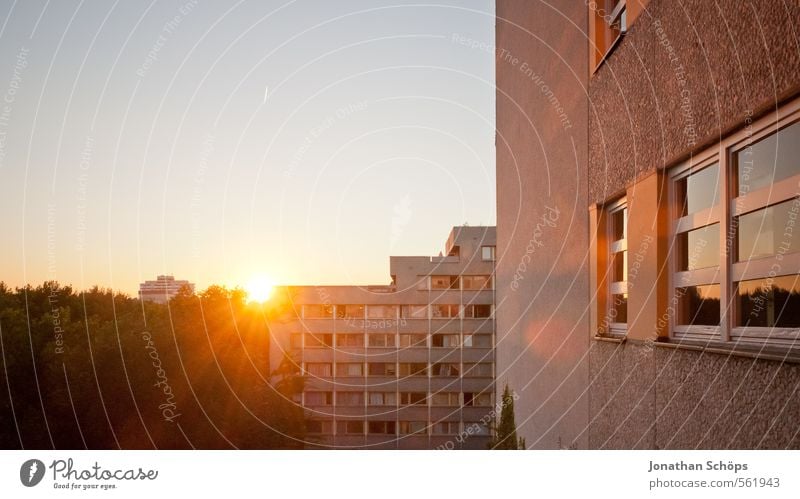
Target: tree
505, 434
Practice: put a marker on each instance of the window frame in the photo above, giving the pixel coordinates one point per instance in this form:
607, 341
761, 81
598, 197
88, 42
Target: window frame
326, 395
453, 399
612, 248
732, 205
470, 308
384, 397
339, 340
488, 284
421, 344
492, 255
342, 394
340, 365
389, 340
309, 373
319, 340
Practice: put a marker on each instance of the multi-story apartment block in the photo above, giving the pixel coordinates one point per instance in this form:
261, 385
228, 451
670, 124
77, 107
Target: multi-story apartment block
162, 289
648, 180
409, 365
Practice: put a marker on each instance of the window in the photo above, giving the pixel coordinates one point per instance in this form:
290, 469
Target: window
349, 340
476, 428
382, 311
422, 283
765, 304
444, 311
296, 340
476, 282
414, 340
445, 428
608, 21
445, 399
414, 311
444, 282
382, 398
382, 369
617, 274
318, 368
319, 427
350, 427
381, 427
744, 287
413, 369
481, 370
317, 311
445, 369
477, 311
349, 399
765, 261
487, 253
413, 398
317, 340
696, 234
381, 340
477, 399
445, 340
413, 427
319, 398
350, 311
478, 341
349, 369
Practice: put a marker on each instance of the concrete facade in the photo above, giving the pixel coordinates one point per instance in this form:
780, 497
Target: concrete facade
409, 365
542, 234
683, 78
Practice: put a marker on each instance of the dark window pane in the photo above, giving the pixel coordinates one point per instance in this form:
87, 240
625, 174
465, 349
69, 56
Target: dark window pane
699, 248
769, 160
699, 305
699, 190
769, 302
619, 308
619, 224
768, 232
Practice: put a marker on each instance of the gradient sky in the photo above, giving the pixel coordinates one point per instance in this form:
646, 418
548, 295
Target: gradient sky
301, 140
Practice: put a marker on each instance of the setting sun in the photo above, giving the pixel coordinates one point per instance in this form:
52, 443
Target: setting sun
259, 289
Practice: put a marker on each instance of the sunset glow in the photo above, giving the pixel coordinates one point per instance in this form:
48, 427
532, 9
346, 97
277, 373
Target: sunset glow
259, 289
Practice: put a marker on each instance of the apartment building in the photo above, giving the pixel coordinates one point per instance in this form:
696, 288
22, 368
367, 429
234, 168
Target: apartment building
660, 308
408, 365
162, 289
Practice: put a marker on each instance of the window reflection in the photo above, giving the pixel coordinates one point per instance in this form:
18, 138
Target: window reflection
699, 248
771, 302
699, 190
769, 160
763, 232
619, 222
699, 305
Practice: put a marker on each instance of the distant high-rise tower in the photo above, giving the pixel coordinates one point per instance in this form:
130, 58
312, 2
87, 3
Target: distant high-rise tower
162, 289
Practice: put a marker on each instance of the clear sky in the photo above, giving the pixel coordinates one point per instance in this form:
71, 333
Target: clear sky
216, 140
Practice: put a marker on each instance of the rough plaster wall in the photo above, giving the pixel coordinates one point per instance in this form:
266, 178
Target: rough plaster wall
691, 400
720, 60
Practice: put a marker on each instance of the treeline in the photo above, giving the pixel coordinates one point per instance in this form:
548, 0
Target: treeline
100, 370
